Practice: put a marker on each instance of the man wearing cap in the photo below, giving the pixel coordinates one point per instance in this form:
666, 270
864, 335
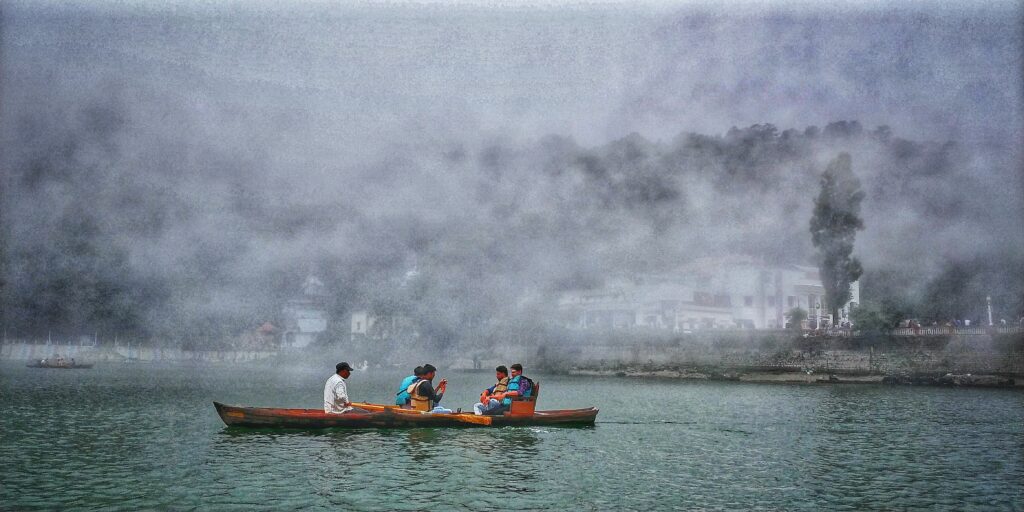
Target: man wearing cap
336, 399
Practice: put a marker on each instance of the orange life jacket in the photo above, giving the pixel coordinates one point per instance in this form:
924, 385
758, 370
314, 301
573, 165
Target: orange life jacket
416, 400
501, 386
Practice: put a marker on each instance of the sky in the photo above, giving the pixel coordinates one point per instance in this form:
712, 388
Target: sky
223, 149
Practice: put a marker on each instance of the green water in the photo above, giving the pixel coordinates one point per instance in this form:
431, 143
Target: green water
141, 437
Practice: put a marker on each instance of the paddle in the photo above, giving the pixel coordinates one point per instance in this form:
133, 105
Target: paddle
473, 418
459, 417
373, 407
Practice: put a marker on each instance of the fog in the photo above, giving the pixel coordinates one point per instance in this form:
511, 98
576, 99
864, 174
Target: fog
174, 172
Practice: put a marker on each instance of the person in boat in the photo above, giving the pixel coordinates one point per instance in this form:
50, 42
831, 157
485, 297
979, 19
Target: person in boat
336, 400
402, 397
422, 395
518, 385
488, 404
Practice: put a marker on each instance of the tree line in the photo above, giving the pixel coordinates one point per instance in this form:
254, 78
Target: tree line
102, 233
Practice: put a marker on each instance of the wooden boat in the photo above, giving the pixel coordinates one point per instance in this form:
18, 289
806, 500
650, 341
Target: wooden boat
390, 416
380, 416
67, 366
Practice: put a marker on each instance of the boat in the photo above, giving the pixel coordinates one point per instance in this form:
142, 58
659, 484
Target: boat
65, 366
522, 412
386, 416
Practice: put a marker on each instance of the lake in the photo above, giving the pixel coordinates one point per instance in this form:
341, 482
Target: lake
131, 436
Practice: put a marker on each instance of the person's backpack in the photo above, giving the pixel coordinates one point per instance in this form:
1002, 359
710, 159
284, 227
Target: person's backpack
525, 386
402, 396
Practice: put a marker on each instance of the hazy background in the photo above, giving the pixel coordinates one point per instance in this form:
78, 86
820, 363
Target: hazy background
176, 171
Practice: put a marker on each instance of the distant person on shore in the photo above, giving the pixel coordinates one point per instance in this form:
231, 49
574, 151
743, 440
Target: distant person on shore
489, 404
336, 400
402, 397
422, 395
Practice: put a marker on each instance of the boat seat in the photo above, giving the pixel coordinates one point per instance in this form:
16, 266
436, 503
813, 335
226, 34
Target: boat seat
525, 406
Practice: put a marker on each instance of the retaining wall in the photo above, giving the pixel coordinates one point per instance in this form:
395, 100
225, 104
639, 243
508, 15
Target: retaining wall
948, 355
90, 354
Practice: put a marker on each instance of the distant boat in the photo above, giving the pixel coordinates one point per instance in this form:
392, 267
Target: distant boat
67, 365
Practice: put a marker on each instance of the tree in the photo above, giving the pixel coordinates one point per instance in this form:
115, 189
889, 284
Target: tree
869, 319
796, 317
834, 227
959, 290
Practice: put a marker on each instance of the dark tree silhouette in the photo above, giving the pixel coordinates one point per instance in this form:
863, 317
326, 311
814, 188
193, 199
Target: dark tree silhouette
834, 226
796, 316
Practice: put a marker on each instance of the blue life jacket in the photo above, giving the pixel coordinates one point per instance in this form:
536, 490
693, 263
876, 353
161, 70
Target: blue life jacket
402, 397
519, 383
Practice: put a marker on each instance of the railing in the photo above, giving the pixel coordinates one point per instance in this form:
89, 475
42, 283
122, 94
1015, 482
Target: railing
946, 330
933, 330
841, 332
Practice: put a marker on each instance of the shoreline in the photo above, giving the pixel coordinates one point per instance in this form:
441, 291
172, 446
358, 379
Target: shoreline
801, 377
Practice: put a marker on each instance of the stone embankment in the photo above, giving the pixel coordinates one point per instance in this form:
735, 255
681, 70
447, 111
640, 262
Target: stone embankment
126, 353
806, 377
981, 361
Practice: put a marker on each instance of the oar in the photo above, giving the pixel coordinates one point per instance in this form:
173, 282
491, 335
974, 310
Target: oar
459, 417
473, 419
373, 407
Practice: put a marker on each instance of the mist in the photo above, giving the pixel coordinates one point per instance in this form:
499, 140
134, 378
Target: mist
176, 172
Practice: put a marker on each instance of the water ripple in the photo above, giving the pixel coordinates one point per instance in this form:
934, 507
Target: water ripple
148, 438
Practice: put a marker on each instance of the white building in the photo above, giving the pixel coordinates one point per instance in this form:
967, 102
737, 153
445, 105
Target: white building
362, 323
366, 325
377, 326
708, 294
305, 317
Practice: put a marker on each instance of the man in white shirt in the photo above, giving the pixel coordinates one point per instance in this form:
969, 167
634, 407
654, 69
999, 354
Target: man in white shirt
336, 399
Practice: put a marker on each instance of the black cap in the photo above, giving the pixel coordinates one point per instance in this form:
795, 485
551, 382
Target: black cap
342, 366
427, 368
417, 371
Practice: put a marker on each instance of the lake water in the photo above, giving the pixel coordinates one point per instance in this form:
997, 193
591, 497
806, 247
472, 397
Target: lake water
139, 436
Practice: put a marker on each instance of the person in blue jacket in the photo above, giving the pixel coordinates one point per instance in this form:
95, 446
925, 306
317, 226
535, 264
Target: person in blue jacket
518, 385
402, 398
